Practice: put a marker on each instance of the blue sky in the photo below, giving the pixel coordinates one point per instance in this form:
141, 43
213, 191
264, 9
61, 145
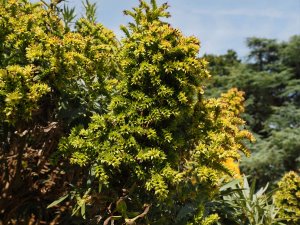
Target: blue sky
219, 24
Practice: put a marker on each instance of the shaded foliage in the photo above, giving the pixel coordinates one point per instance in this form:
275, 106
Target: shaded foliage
270, 81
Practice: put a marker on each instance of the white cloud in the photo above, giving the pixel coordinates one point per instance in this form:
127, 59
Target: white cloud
220, 29
270, 13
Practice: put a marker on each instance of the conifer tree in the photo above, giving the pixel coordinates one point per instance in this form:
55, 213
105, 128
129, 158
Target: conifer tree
161, 143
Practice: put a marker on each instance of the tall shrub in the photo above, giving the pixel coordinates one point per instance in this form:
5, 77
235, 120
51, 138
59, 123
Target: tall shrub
161, 143
51, 78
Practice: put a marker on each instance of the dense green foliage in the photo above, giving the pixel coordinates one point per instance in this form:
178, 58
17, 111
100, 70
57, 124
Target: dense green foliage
51, 78
271, 82
159, 136
141, 133
287, 198
100, 131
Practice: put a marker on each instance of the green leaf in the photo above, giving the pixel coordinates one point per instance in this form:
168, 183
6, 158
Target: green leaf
82, 210
121, 207
56, 202
232, 184
100, 187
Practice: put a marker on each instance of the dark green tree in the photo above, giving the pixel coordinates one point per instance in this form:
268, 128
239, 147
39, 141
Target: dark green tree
290, 54
264, 53
271, 85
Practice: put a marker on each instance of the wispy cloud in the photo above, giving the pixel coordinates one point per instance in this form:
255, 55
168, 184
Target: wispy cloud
227, 23
247, 12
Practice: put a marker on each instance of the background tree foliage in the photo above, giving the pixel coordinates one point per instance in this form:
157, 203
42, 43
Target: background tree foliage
270, 80
100, 131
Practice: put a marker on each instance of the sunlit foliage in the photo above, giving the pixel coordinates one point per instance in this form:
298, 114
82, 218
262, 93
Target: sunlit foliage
287, 198
138, 140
